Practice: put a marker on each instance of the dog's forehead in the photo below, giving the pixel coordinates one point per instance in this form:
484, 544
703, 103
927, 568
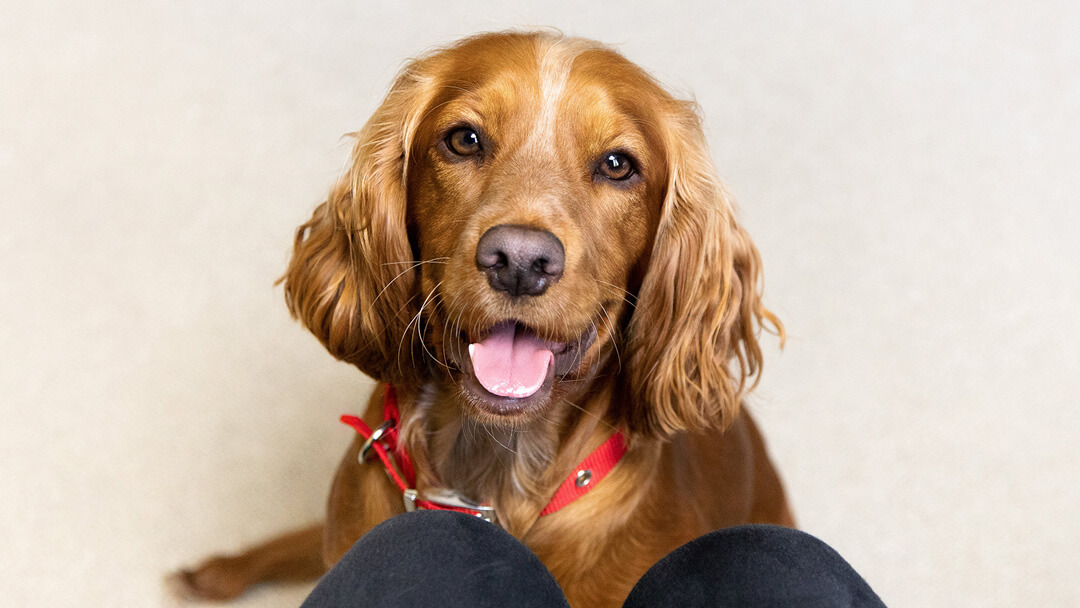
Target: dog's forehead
533, 88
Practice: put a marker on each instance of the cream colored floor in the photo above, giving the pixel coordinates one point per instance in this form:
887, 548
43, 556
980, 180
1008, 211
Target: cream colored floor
909, 171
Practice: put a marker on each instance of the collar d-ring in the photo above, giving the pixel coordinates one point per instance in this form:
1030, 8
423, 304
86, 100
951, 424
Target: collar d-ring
375, 436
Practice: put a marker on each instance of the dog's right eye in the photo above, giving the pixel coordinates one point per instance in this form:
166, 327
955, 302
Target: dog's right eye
464, 142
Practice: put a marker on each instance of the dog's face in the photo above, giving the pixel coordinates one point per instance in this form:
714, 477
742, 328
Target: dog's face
535, 190
522, 210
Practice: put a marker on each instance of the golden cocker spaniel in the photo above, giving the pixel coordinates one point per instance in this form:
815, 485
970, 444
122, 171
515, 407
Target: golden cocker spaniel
533, 255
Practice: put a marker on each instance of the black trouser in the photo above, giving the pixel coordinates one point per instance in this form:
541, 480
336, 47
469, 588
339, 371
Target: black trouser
443, 559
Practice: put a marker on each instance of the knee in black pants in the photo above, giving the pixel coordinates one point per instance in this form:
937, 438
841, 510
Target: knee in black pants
437, 558
754, 566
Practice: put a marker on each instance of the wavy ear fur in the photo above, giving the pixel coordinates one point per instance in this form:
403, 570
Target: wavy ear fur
351, 279
699, 305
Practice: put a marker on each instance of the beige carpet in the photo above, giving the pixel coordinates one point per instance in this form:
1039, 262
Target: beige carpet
909, 171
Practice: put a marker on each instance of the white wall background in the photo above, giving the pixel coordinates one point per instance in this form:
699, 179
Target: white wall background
909, 171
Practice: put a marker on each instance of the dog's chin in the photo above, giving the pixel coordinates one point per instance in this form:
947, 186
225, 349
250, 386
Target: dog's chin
513, 411
487, 407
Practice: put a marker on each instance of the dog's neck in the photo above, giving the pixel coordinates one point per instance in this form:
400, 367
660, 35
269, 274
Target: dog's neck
515, 470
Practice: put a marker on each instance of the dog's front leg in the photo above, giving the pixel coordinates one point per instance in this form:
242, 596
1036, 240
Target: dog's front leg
362, 496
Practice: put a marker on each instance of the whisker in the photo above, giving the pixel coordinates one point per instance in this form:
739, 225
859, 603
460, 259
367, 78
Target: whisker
403, 334
614, 337
416, 319
457, 322
423, 343
431, 313
496, 440
588, 413
414, 265
628, 294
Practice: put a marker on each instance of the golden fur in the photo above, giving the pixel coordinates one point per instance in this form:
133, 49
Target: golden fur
657, 266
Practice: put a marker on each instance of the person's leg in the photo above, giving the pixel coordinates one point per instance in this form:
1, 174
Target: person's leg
754, 566
440, 559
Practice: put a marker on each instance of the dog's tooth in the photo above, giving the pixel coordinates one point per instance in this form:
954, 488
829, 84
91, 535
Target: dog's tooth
472, 347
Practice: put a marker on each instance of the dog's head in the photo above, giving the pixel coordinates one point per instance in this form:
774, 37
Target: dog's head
523, 214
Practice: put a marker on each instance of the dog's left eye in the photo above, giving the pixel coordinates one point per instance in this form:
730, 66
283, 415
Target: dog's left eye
464, 142
616, 167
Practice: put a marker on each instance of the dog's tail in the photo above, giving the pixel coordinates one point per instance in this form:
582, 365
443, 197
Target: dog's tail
295, 556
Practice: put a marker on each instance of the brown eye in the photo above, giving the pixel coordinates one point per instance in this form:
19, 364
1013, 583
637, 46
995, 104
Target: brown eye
616, 167
464, 142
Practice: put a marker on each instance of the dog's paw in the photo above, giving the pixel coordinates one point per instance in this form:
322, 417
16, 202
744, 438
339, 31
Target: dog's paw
218, 578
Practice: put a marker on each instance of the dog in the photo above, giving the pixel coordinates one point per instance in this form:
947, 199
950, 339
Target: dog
532, 254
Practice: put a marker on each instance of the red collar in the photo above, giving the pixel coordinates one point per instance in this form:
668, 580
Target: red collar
383, 441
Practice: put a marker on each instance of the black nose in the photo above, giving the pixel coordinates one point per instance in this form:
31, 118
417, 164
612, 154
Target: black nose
519, 260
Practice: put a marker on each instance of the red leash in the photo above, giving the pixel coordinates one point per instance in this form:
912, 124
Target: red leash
384, 442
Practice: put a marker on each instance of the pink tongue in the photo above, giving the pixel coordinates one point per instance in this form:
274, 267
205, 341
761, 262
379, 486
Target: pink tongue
510, 362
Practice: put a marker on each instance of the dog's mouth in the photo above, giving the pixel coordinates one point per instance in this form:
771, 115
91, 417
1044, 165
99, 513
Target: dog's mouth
511, 369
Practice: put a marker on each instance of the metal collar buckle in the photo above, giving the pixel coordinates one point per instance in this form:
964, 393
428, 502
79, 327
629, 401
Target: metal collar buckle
444, 497
375, 436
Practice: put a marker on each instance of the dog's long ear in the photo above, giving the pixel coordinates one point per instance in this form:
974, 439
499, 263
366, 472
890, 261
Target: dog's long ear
699, 307
351, 279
